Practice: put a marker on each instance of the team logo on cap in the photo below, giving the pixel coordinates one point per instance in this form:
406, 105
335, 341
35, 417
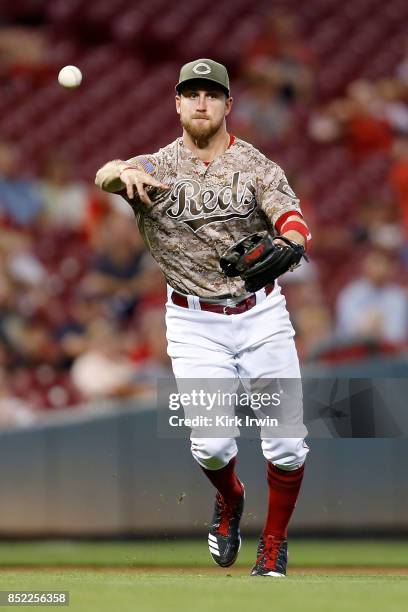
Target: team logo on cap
202, 68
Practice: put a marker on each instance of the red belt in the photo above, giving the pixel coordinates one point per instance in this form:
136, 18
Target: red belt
243, 306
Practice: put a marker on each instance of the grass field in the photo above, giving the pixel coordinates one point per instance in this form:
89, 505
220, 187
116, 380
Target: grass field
179, 576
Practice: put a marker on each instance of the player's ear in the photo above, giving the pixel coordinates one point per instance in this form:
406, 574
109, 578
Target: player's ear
228, 106
178, 104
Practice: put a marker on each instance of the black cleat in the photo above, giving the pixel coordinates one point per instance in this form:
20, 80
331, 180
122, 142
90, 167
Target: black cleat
224, 539
272, 557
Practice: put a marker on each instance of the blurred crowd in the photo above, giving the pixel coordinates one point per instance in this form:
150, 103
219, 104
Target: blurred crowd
82, 302
277, 73
352, 300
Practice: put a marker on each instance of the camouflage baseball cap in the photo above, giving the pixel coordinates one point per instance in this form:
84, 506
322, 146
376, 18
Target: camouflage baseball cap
206, 69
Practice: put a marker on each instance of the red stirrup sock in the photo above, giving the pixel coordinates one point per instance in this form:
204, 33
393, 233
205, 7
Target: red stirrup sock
284, 487
225, 481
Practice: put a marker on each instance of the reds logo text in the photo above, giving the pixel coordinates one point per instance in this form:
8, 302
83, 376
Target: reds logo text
196, 207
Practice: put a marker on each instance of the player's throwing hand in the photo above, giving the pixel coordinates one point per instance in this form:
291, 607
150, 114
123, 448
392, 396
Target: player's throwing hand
132, 177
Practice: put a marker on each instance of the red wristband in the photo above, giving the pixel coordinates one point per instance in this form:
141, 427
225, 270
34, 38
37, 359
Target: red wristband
280, 222
299, 227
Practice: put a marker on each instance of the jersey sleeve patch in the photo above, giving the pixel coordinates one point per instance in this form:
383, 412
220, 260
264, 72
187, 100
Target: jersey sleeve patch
147, 165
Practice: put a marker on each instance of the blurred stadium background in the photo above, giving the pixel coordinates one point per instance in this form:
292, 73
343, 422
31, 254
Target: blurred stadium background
322, 88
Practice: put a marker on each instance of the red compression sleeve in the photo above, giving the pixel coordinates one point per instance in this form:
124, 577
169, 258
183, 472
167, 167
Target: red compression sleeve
284, 217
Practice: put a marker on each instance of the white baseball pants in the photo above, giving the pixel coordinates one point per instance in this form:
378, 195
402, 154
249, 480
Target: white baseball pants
255, 344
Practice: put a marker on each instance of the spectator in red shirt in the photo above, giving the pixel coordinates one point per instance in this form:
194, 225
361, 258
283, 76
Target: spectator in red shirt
399, 179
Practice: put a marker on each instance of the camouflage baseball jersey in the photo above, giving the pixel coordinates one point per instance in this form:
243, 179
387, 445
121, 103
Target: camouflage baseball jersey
208, 208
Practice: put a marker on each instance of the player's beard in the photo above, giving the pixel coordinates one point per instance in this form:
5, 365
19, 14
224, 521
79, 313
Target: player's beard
201, 134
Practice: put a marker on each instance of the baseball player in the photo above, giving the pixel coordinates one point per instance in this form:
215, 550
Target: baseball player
195, 201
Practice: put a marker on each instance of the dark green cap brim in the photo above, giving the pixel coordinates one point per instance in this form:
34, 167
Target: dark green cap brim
180, 85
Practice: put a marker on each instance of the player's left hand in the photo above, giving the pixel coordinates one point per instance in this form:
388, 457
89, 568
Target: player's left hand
260, 258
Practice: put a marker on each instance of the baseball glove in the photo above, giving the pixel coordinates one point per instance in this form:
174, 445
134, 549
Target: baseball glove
258, 259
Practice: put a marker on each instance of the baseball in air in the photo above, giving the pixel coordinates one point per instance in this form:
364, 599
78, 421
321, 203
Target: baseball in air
70, 77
